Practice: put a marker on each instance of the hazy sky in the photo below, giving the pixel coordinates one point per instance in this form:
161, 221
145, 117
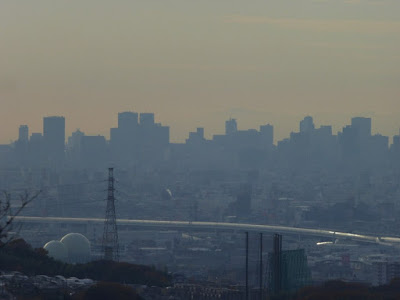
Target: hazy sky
197, 63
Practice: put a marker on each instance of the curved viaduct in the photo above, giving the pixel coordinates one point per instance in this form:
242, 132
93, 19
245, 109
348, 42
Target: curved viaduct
217, 226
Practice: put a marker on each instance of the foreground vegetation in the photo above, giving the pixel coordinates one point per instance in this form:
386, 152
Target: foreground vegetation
20, 256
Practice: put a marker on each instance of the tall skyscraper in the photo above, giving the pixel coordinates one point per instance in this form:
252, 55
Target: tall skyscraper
54, 137
127, 120
307, 125
267, 134
395, 149
23, 133
200, 132
21, 146
362, 127
146, 119
230, 126
74, 145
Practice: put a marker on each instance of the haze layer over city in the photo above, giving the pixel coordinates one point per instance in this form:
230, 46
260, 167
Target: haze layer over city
195, 63
188, 144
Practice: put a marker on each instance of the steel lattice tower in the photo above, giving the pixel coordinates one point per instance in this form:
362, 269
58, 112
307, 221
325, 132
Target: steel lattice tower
110, 234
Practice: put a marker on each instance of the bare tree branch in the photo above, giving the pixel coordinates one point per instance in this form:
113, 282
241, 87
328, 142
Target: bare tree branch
7, 216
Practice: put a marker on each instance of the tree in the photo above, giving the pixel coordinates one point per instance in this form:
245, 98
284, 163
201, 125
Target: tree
8, 214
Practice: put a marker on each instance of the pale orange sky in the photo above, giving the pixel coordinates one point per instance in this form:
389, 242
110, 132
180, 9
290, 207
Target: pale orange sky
197, 63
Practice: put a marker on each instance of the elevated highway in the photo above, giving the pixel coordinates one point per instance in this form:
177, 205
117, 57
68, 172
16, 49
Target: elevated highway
215, 226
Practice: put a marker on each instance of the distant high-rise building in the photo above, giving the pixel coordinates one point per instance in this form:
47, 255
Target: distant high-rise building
396, 141
362, 135
348, 141
362, 126
36, 153
127, 120
378, 149
230, 126
307, 125
395, 148
200, 132
146, 119
54, 137
74, 141
23, 133
267, 134
125, 138
74, 145
195, 138
21, 146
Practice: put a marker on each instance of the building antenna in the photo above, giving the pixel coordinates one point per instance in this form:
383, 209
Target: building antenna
110, 234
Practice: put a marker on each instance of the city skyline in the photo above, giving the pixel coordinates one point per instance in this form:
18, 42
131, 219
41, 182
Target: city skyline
207, 135
206, 149
194, 64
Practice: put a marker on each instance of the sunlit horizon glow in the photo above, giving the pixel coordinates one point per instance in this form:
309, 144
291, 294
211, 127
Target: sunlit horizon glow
196, 64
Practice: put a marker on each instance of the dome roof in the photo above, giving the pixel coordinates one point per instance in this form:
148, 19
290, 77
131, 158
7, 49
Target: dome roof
56, 250
78, 246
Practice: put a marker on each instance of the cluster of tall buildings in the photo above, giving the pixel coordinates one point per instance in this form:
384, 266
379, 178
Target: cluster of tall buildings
140, 141
137, 136
354, 146
49, 145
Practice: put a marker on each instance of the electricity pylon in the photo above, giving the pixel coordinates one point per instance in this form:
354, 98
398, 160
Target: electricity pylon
110, 234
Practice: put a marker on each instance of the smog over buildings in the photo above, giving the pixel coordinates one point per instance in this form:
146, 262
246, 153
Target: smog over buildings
240, 150
345, 182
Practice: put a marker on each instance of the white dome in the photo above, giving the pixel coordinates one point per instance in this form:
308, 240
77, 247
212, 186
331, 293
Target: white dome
78, 247
57, 250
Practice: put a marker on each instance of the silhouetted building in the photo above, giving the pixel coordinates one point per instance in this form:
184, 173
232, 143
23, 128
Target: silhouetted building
324, 146
36, 149
200, 132
54, 138
267, 135
23, 135
395, 149
127, 120
307, 125
21, 145
196, 138
138, 142
147, 119
73, 149
5, 157
350, 148
230, 127
362, 127
125, 139
378, 149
